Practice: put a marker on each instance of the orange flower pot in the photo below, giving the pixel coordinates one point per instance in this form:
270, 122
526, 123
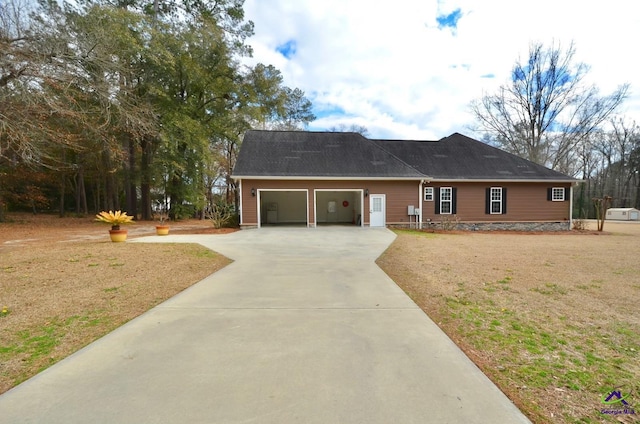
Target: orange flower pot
162, 230
118, 236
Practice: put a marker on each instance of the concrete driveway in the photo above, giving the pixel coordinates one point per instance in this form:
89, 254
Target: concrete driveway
302, 328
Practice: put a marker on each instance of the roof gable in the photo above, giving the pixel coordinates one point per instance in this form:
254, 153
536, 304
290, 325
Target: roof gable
461, 157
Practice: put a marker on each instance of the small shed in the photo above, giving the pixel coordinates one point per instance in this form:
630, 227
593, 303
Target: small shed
623, 214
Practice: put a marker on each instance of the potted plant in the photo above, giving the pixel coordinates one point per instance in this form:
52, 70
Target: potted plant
162, 229
115, 219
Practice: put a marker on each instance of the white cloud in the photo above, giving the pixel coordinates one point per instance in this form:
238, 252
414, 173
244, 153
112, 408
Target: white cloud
388, 67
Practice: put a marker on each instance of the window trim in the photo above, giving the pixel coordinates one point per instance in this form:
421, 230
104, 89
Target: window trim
428, 194
557, 190
449, 201
497, 190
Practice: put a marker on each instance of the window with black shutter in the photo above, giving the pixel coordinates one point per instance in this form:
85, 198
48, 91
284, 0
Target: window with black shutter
445, 200
495, 201
558, 194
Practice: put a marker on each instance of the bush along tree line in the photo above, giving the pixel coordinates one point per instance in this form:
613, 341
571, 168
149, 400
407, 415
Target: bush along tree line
549, 113
130, 104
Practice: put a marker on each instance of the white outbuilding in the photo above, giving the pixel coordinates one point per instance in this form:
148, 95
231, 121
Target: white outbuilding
623, 214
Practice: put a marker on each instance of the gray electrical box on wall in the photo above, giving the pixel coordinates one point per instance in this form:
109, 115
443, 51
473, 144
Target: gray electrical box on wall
411, 210
416, 212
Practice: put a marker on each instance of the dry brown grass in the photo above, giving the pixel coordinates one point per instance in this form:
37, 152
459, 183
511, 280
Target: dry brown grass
64, 284
552, 318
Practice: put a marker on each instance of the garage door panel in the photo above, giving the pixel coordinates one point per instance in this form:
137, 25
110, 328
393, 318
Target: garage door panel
283, 207
338, 206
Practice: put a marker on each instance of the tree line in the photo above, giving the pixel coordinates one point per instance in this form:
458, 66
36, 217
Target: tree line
549, 113
141, 105
130, 104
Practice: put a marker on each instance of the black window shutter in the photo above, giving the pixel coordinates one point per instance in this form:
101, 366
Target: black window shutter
567, 194
454, 200
549, 194
436, 198
487, 201
504, 200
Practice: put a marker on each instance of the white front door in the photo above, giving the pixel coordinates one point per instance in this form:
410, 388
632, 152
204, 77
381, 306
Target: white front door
376, 210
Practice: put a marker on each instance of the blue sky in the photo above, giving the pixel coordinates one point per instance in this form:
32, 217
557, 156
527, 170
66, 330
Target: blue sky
449, 20
409, 69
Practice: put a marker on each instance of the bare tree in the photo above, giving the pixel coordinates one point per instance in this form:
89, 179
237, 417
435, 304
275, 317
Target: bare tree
360, 129
601, 205
618, 173
22, 106
625, 137
547, 109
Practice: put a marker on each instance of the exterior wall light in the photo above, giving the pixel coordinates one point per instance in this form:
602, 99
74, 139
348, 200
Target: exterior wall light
366, 192
253, 192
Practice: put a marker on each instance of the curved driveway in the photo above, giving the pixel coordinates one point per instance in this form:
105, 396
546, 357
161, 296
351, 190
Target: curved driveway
302, 328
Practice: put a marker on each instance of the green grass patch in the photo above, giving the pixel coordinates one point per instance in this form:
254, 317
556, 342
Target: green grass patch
36, 347
560, 355
202, 252
111, 289
34, 343
502, 284
505, 280
550, 289
626, 271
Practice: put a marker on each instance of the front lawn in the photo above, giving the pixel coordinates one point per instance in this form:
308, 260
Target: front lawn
63, 284
552, 319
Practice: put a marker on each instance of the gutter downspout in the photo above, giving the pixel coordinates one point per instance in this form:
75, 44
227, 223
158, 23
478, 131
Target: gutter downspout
240, 203
420, 200
571, 206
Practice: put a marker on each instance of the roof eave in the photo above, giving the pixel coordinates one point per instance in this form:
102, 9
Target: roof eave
425, 179
506, 180
334, 178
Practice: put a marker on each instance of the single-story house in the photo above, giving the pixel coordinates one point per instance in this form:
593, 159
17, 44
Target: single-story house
315, 178
623, 214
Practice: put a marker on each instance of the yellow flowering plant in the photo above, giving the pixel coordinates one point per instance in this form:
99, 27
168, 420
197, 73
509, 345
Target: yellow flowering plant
114, 218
